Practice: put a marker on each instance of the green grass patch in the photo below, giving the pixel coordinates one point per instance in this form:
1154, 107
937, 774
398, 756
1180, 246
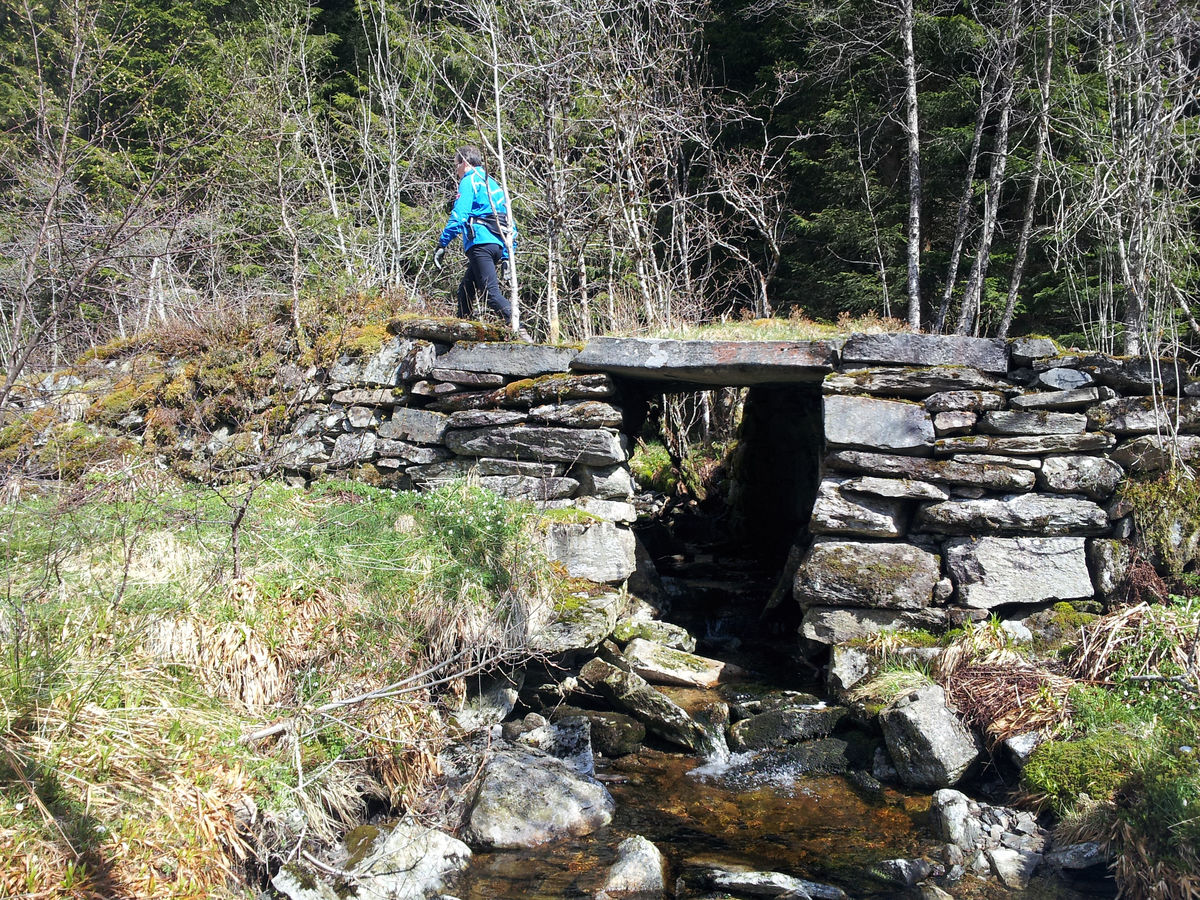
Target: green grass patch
134, 665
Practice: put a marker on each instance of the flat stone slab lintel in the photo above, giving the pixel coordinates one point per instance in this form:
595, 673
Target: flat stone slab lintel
726, 363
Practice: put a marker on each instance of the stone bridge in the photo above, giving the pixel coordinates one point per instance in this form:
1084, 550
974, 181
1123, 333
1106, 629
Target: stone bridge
922, 480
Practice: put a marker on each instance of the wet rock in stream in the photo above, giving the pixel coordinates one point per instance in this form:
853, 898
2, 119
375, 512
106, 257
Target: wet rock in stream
660, 715
784, 726
526, 798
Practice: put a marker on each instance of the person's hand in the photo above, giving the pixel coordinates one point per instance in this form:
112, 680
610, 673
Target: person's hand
439, 258
504, 269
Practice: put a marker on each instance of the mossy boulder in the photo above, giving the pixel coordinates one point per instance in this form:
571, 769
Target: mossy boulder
859, 574
777, 727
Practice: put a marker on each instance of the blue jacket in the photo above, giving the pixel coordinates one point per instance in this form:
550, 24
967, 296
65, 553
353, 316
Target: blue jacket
474, 202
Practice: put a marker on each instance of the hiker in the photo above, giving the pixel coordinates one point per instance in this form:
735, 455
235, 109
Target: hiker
480, 215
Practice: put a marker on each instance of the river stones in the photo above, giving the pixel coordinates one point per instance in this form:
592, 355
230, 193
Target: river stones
655, 710
409, 861
640, 870
667, 634
666, 665
613, 734
743, 881
777, 727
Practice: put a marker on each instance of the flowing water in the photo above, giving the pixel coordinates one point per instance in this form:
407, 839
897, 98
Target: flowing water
765, 811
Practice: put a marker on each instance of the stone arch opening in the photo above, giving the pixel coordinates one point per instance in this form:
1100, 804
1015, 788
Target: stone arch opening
722, 557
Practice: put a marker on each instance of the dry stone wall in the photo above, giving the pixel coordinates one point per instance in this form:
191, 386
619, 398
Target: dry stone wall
437, 403
966, 476
960, 476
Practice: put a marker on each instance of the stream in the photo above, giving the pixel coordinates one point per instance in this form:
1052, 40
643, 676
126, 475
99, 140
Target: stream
765, 810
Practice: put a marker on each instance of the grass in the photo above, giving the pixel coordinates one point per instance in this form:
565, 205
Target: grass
133, 667
796, 327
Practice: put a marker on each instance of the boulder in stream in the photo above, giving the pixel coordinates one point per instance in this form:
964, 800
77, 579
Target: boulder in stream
660, 714
407, 862
928, 744
747, 882
613, 733
526, 798
665, 665
639, 872
784, 726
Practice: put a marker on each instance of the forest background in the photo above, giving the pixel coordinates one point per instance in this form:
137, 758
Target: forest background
979, 168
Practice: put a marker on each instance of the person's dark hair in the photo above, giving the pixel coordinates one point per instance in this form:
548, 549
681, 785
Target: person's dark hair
470, 155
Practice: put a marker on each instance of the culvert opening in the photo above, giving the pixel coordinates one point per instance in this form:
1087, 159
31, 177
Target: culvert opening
726, 483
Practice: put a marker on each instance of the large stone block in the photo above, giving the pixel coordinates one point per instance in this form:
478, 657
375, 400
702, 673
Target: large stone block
1092, 476
558, 387
444, 330
1109, 561
709, 362
911, 383
993, 571
866, 516
838, 624
349, 449
1146, 415
927, 350
964, 401
1129, 375
530, 487
894, 488
1152, 453
1064, 378
578, 414
414, 425
994, 477
880, 576
874, 424
1025, 350
590, 446
928, 744
597, 551
605, 482
1025, 446
1009, 422
1039, 514
520, 360
1080, 398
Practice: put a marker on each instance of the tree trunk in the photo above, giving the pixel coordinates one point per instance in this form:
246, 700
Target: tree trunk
964, 202
1039, 157
912, 127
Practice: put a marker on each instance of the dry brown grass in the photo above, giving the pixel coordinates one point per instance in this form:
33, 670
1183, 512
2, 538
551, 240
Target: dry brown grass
1007, 700
996, 689
1167, 646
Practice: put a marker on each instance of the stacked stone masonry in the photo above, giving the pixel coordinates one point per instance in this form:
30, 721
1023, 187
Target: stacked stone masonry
443, 400
969, 476
960, 477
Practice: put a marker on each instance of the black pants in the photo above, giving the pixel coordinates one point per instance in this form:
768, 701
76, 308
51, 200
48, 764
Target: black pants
482, 260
